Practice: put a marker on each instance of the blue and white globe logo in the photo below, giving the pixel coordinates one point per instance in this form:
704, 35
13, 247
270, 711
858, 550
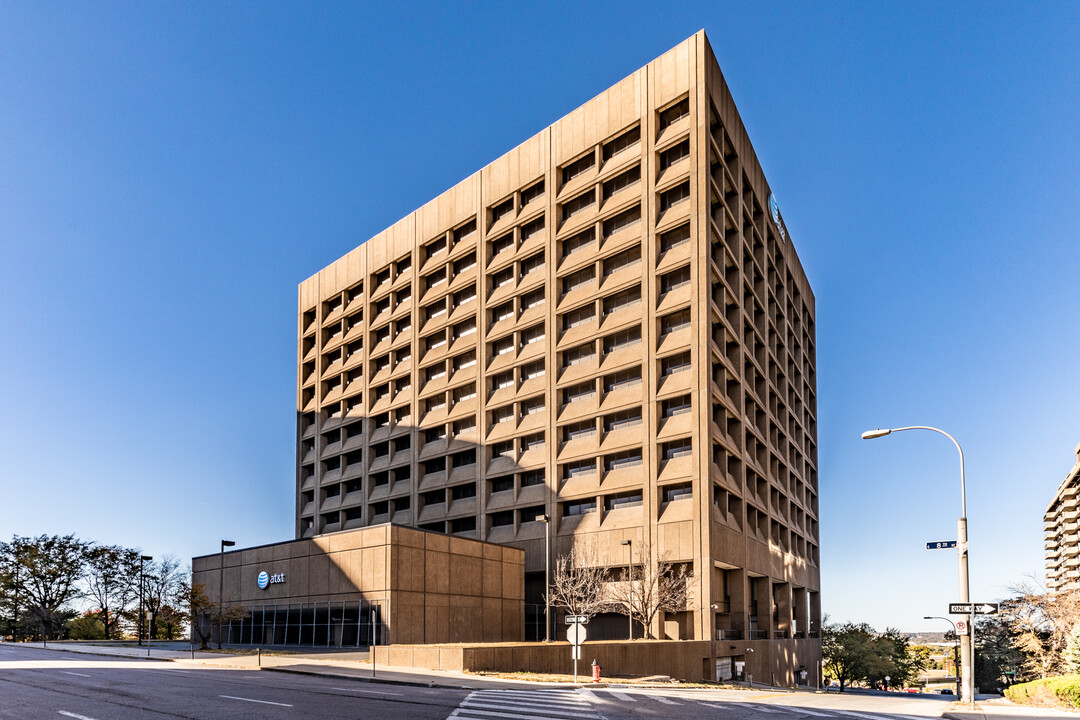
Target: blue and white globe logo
264, 580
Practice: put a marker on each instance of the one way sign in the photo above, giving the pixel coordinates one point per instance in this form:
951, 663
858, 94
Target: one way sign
977, 608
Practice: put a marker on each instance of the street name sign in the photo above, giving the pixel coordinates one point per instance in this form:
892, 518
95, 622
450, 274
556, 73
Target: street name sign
976, 608
943, 545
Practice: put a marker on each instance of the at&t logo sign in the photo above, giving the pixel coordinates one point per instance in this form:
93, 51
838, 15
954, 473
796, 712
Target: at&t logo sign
266, 578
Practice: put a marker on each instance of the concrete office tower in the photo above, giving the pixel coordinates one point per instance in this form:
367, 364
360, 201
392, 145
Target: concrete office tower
1061, 525
608, 325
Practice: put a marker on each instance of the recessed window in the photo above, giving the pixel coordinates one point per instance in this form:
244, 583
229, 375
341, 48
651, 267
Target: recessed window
622, 460
465, 360
622, 380
464, 426
622, 340
464, 296
677, 449
502, 519
435, 465
465, 392
675, 364
434, 247
675, 322
675, 280
674, 238
676, 406
503, 483
623, 220
532, 371
580, 354
621, 261
622, 300
532, 335
682, 491
435, 279
578, 205
533, 477
504, 346
463, 459
580, 241
578, 507
498, 212
503, 243
578, 167
674, 114
622, 181
533, 192
676, 195
578, 431
503, 278
577, 317
464, 231
503, 414
533, 442
531, 300
674, 154
579, 279
464, 328
504, 449
502, 380
622, 500
579, 393
622, 420
623, 142
529, 229
465, 263
531, 263
502, 312
403, 265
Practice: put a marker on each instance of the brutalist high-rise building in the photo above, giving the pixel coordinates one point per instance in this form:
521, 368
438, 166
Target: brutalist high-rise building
608, 326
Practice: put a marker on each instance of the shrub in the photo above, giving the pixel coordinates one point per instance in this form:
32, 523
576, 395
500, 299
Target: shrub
1063, 691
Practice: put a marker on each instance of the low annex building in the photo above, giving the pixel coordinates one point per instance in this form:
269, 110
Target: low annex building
369, 586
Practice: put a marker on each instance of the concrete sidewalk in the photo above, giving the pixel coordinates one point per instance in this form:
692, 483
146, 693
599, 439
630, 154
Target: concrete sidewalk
347, 665
1001, 709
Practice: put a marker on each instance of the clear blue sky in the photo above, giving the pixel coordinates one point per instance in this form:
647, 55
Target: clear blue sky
170, 172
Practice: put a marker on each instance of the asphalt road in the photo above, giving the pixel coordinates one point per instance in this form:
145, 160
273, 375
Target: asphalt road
37, 683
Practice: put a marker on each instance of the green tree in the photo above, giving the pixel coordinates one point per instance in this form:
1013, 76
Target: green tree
88, 626
997, 656
49, 568
849, 652
907, 661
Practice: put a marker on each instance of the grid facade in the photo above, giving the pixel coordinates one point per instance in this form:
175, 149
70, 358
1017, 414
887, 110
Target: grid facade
1061, 525
606, 326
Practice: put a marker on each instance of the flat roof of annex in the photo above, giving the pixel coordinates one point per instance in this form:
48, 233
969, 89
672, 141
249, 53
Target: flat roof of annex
655, 85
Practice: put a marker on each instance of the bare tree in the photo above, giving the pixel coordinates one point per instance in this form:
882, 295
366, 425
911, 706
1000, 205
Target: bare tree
578, 583
1041, 623
164, 582
111, 581
205, 613
650, 589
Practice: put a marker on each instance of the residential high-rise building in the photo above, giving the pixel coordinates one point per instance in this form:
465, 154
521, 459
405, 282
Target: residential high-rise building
1061, 525
608, 326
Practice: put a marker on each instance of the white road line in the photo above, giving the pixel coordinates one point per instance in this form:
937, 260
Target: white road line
667, 701
861, 715
804, 711
376, 692
65, 713
621, 695
492, 713
261, 702
68, 672
493, 705
756, 706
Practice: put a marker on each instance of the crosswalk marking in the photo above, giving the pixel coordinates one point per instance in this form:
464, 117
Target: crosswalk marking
667, 701
524, 705
621, 696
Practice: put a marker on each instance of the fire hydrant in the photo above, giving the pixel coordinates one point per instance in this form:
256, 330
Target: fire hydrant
595, 671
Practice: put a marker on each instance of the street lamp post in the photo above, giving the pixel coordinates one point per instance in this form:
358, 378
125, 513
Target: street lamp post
956, 647
142, 559
630, 579
547, 575
221, 586
967, 641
